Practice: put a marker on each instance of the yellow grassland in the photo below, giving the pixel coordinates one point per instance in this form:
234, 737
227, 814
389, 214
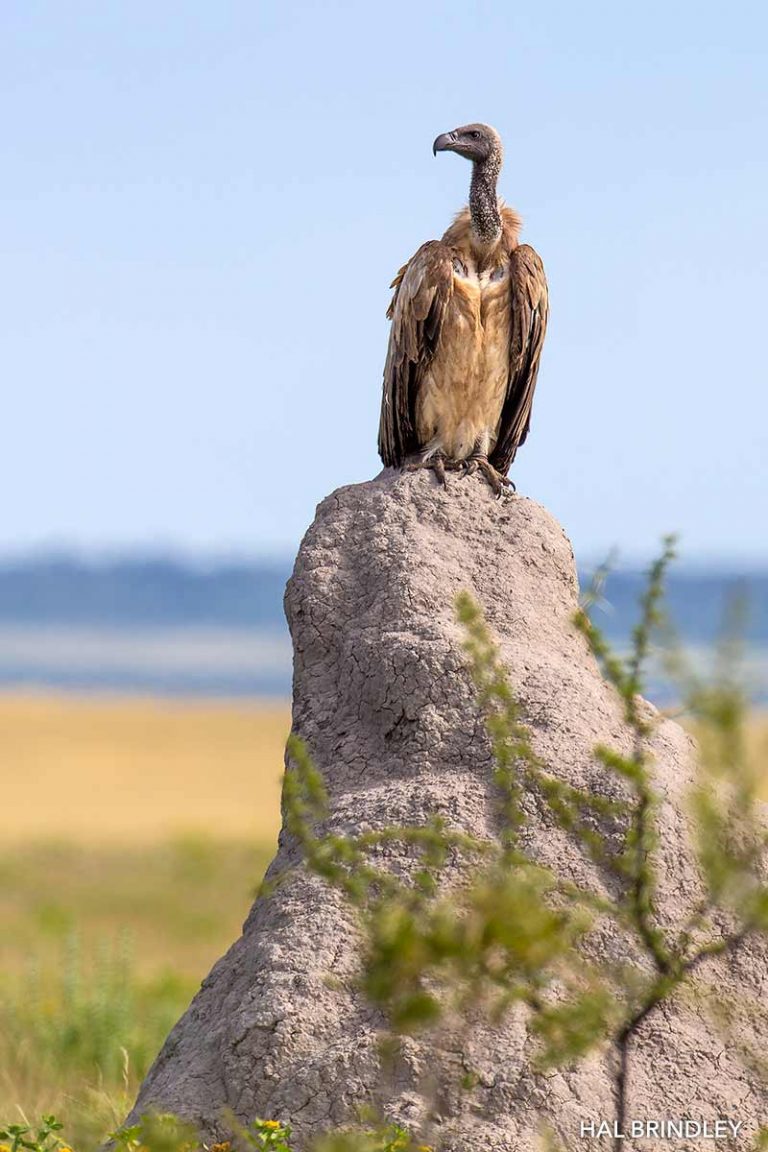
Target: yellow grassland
109, 771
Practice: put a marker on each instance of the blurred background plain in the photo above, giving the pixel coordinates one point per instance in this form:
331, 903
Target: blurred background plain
203, 207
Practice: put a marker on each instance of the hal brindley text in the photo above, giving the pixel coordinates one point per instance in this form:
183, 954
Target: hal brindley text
662, 1129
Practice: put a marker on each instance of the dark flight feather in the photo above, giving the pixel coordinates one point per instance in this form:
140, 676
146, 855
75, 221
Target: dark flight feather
530, 311
423, 290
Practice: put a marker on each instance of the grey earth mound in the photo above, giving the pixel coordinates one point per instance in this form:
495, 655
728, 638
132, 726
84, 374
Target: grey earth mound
382, 697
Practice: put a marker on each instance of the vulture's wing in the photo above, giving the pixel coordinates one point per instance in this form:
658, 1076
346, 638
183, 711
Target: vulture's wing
530, 308
423, 289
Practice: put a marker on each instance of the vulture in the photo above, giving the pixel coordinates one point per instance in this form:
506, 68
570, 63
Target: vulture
469, 313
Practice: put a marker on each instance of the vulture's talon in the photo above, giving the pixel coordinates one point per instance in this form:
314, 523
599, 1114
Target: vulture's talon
497, 481
435, 463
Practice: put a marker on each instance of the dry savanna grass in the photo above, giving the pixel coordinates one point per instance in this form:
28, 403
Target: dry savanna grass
129, 771
757, 744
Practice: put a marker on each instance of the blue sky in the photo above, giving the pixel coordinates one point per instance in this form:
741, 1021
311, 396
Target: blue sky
203, 205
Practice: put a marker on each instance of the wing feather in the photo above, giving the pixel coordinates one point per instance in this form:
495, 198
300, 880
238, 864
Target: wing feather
423, 289
530, 311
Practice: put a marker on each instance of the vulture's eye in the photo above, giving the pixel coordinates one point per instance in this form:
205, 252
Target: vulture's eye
475, 135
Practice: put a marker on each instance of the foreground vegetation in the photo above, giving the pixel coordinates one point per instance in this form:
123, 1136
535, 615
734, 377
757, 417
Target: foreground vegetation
102, 950
164, 1133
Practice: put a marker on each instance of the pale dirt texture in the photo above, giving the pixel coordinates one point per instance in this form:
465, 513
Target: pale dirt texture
383, 699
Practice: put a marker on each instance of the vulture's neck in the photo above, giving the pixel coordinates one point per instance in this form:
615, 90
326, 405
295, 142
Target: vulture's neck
484, 203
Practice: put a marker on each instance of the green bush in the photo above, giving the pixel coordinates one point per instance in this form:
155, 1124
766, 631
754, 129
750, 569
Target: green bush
166, 1133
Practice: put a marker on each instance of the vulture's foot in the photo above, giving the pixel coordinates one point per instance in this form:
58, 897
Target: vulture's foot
497, 481
436, 462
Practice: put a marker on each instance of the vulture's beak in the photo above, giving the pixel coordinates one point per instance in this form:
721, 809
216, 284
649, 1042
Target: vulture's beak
444, 143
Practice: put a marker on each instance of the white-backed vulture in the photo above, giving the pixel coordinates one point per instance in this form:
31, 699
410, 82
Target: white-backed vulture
468, 316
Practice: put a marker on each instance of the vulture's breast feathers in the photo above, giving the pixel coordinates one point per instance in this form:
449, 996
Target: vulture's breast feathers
459, 405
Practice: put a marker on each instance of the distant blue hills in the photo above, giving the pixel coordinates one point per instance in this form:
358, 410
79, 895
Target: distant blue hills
172, 593
126, 592
163, 624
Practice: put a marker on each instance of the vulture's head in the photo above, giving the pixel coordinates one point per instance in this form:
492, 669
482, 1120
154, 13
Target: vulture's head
477, 142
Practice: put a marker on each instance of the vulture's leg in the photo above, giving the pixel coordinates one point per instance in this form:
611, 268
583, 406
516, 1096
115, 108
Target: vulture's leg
479, 462
433, 460
438, 464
